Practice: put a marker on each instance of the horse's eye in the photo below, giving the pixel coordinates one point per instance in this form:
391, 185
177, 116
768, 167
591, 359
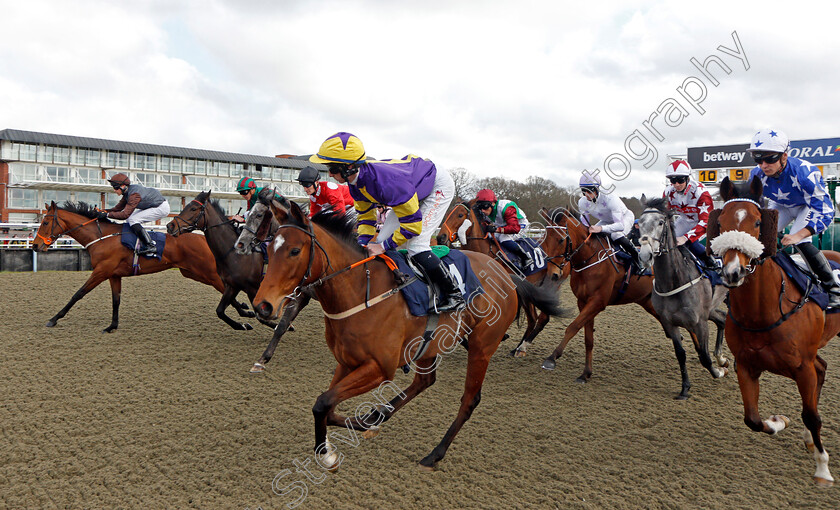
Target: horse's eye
294, 252
757, 223
661, 222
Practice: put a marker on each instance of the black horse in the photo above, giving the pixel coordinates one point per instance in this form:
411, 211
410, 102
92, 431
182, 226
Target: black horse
238, 272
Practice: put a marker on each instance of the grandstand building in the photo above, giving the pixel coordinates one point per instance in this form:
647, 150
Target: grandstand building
37, 168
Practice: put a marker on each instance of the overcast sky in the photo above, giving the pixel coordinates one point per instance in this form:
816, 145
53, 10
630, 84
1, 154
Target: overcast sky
508, 89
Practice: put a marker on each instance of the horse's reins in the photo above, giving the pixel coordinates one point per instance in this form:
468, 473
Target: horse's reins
194, 225
304, 287
452, 234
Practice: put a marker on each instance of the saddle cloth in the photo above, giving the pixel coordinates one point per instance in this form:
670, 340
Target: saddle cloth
627, 261
531, 248
416, 294
129, 240
796, 269
713, 276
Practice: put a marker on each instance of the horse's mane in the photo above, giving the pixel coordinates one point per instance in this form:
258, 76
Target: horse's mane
83, 209
340, 226
215, 204
558, 213
660, 204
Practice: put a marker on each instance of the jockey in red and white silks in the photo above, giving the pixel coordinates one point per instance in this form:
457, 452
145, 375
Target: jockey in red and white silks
692, 204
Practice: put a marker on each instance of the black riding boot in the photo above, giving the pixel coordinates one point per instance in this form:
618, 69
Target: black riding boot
819, 265
525, 259
631, 250
450, 298
147, 246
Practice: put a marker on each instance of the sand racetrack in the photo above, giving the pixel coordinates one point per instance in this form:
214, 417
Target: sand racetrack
163, 413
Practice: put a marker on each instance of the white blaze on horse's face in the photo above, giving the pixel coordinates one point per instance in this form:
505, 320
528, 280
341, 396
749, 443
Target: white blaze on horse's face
739, 217
278, 242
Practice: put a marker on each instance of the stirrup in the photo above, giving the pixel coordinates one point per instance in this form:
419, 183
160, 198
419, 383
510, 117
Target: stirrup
454, 302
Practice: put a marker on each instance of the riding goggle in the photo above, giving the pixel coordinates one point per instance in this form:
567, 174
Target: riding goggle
587, 190
483, 205
115, 185
768, 158
680, 179
307, 184
244, 192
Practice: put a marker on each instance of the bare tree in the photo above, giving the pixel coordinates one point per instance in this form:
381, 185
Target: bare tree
465, 180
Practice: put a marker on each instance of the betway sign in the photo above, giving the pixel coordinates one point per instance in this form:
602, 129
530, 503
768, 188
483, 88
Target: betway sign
821, 151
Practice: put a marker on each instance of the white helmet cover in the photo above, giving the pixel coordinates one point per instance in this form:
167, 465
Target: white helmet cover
769, 140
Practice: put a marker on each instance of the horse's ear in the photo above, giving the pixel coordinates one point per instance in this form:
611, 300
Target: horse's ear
297, 213
712, 230
545, 214
756, 188
643, 200
209, 191
768, 234
727, 189
280, 213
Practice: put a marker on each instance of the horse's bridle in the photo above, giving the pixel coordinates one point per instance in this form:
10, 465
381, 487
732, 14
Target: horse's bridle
53, 236
194, 225
661, 240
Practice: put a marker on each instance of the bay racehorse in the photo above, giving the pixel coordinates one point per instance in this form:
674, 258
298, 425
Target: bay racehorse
238, 272
462, 223
112, 261
368, 325
597, 279
770, 326
682, 296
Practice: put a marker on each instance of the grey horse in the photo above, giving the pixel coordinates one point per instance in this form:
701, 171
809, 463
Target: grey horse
681, 295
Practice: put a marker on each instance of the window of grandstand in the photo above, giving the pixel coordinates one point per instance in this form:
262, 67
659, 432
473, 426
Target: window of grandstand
201, 167
169, 181
19, 172
189, 166
93, 157
144, 161
196, 183
174, 204
221, 184
237, 170
86, 196
23, 198
79, 156
24, 218
50, 194
58, 173
117, 159
165, 163
27, 151
212, 168
145, 179
90, 175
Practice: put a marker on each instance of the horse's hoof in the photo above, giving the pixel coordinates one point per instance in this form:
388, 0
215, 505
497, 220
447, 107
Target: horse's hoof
723, 362
371, 432
290, 328
427, 469
581, 380
258, 368
723, 373
548, 364
246, 326
50, 324
512, 353
822, 482
520, 354
682, 397
109, 329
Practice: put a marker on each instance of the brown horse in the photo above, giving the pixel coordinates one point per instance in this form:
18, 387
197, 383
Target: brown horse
369, 328
112, 261
764, 336
597, 280
462, 223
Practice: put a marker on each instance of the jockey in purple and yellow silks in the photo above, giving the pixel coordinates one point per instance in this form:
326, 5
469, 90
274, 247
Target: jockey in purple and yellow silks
418, 194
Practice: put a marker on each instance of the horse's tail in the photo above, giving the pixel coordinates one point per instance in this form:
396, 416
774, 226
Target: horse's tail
545, 297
